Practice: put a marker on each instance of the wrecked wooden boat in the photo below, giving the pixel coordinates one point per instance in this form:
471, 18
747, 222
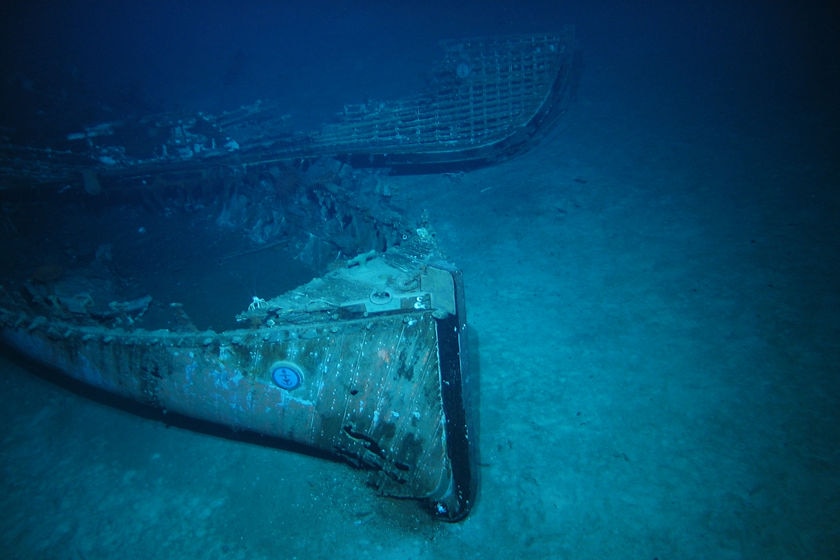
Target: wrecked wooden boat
488, 99
364, 360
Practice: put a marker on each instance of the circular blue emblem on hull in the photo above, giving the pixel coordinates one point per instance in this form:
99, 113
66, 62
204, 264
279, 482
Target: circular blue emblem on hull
286, 376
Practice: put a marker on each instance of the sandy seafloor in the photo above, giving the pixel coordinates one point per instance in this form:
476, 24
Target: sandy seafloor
653, 295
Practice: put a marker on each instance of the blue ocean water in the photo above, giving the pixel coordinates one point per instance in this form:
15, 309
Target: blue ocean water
652, 289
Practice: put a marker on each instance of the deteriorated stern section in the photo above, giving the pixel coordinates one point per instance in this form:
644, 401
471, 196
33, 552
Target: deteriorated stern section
486, 92
488, 99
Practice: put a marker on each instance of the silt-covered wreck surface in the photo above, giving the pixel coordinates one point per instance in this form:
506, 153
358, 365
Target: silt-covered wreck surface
283, 300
